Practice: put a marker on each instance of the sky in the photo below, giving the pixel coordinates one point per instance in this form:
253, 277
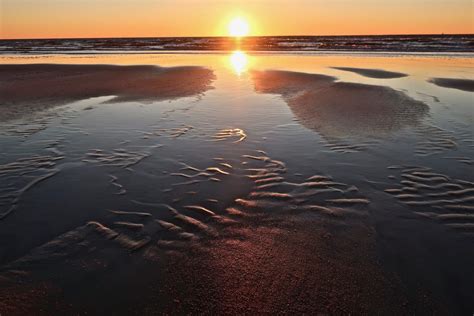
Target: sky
150, 18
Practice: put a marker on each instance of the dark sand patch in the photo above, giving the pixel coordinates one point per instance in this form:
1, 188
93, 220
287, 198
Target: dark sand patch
459, 84
281, 270
30, 299
373, 73
28, 88
298, 267
341, 109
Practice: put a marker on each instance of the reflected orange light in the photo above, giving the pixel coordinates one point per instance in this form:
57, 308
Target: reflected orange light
239, 62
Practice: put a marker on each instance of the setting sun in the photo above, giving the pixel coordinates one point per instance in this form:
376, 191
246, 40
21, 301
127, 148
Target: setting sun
238, 27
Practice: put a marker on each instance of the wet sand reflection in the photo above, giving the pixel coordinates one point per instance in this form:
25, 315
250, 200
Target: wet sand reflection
341, 109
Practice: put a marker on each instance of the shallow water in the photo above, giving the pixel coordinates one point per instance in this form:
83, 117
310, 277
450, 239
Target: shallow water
93, 193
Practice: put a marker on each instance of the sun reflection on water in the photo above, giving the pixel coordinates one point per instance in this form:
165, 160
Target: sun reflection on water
239, 62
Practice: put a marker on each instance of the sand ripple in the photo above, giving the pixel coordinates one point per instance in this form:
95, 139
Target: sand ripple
174, 132
435, 140
20, 176
231, 133
181, 224
119, 158
437, 196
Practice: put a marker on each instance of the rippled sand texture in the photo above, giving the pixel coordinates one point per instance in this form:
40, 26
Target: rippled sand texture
118, 158
341, 109
27, 88
435, 140
280, 235
220, 203
20, 176
437, 196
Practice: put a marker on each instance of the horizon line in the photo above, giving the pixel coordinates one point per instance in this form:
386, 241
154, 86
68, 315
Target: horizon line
224, 36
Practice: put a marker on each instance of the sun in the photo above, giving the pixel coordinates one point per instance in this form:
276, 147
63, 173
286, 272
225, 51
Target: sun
239, 27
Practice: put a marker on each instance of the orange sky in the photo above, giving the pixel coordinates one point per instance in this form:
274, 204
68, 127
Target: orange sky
129, 18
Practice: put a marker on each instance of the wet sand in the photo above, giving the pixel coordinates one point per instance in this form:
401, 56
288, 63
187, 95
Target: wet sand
341, 109
281, 247
28, 88
373, 73
460, 84
269, 192
287, 269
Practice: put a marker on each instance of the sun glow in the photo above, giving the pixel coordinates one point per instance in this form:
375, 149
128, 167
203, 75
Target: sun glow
239, 61
239, 27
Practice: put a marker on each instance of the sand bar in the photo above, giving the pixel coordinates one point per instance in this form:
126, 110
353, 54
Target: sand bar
28, 88
341, 109
459, 84
373, 73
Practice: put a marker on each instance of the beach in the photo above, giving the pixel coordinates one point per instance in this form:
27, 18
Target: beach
236, 183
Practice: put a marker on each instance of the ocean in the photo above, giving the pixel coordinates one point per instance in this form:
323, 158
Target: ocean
382, 43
